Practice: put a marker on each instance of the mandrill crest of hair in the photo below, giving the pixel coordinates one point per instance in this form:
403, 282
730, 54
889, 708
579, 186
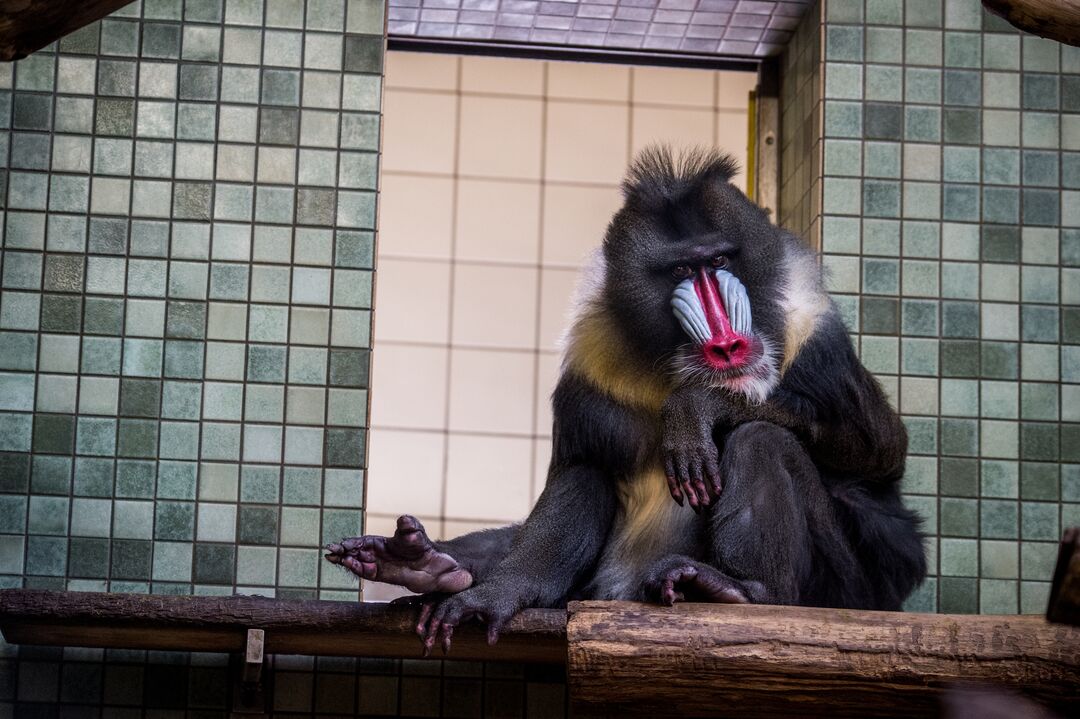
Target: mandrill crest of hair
658, 174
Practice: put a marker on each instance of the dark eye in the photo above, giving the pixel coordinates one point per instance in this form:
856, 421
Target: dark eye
720, 262
682, 272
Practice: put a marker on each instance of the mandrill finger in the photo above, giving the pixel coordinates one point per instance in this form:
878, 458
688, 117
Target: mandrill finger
352, 545
671, 474
446, 632
430, 633
431, 630
494, 627
691, 494
682, 472
668, 593
425, 614
364, 570
673, 487
712, 471
698, 482
691, 497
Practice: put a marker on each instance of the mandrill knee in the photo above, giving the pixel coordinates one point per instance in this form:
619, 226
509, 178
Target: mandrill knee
757, 452
757, 440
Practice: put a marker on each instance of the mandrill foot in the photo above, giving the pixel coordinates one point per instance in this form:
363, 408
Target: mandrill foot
408, 559
686, 580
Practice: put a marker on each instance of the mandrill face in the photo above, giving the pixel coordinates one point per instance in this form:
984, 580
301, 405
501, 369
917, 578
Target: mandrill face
719, 342
697, 277
712, 308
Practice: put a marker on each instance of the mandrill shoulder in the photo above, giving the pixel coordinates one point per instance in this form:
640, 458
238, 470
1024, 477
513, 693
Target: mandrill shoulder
826, 381
596, 351
803, 302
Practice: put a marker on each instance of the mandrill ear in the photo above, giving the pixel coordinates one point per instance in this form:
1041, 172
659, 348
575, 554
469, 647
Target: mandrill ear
657, 174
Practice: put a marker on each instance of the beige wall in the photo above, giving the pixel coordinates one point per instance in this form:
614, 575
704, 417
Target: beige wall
499, 177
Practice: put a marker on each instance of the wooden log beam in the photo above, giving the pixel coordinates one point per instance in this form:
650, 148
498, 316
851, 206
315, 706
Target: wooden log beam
623, 658
1055, 19
220, 624
765, 661
29, 25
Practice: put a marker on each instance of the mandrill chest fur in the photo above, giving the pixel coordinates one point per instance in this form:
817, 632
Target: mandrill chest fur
648, 524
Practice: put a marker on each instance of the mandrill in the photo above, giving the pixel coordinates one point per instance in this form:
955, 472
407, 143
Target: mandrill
716, 437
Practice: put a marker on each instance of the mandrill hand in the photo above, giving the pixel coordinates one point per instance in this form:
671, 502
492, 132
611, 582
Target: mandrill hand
689, 452
492, 603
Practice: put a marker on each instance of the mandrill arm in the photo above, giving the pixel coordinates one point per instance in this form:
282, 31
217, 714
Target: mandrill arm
595, 439
826, 398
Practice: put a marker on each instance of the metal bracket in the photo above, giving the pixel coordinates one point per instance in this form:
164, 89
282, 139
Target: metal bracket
250, 695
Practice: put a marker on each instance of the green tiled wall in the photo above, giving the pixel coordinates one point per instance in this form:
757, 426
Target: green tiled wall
185, 296
949, 211
187, 206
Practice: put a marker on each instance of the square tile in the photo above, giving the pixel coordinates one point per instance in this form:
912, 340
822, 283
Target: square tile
201, 43
214, 563
178, 441
307, 365
264, 403
135, 478
363, 54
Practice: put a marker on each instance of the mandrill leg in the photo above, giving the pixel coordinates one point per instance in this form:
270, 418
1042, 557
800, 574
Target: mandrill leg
411, 560
681, 579
774, 533
775, 526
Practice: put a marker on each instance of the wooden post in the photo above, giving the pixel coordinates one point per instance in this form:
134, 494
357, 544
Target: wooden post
709, 660
253, 656
767, 142
250, 696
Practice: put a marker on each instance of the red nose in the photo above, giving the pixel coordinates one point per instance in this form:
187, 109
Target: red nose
726, 351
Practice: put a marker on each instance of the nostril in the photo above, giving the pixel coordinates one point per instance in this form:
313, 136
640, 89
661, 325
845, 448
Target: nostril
728, 345
719, 351
726, 350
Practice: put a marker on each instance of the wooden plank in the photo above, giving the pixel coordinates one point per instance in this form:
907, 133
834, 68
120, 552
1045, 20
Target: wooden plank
29, 25
721, 660
1064, 604
1055, 19
220, 624
767, 138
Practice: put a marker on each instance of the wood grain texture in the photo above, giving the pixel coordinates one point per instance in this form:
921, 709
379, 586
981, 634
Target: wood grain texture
1055, 19
220, 624
763, 661
29, 25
